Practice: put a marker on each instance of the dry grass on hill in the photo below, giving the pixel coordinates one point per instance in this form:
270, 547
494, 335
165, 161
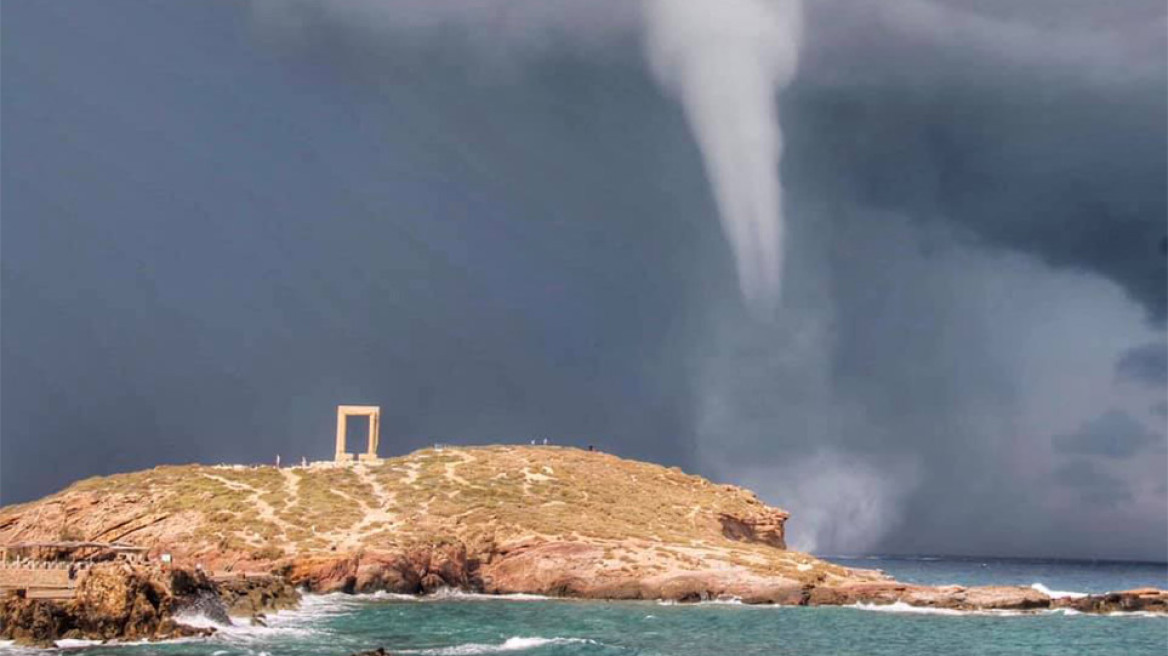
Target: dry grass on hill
497, 494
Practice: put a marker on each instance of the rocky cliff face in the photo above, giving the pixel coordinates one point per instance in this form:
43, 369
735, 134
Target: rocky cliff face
112, 602
765, 527
120, 602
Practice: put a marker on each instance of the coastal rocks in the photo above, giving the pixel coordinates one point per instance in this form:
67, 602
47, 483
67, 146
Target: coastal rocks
354, 574
948, 597
551, 568
1148, 600
325, 574
134, 604
1001, 598
581, 570
253, 596
111, 602
420, 570
780, 593
34, 622
388, 572
982, 598
724, 585
444, 566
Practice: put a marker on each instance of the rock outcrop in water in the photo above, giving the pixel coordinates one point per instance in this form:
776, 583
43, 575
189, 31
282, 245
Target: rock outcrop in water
1144, 600
255, 596
113, 602
118, 601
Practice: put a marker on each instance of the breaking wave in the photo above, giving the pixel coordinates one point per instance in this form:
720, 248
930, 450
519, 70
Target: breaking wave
342, 601
515, 643
901, 607
1057, 594
281, 624
453, 594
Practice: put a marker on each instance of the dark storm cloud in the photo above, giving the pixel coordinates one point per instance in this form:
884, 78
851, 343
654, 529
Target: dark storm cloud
1091, 483
1031, 139
1147, 365
923, 148
506, 232
1114, 434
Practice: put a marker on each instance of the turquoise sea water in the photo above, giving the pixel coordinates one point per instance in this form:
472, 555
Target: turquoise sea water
455, 624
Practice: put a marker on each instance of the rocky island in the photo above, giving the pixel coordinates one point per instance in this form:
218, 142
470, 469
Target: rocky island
496, 520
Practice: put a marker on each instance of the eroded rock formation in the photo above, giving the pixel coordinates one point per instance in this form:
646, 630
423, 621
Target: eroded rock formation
766, 527
252, 596
113, 602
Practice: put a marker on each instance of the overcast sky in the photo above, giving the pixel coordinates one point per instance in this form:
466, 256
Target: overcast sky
221, 219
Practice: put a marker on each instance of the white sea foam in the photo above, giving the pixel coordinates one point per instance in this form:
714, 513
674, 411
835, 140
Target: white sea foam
444, 594
10, 648
515, 643
314, 607
901, 607
279, 624
441, 594
1057, 594
1137, 613
198, 621
72, 643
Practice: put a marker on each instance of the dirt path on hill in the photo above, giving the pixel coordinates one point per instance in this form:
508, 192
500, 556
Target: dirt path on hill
267, 513
412, 470
292, 487
383, 498
378, 515
451, 467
